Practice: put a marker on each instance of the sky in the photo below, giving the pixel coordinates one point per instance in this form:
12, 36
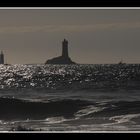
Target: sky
100, 36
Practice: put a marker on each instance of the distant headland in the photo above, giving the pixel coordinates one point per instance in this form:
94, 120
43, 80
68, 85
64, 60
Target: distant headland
64, 58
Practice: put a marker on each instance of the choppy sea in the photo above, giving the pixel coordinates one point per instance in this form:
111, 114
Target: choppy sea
70, 97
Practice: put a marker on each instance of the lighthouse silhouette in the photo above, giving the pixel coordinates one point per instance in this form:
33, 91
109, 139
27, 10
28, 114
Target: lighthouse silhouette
65, 49
64, 58
1, 58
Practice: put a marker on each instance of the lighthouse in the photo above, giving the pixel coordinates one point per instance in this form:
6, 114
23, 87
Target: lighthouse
65, 49
64, 58
1, 58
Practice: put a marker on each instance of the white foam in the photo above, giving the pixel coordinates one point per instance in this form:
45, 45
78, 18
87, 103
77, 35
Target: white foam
53, 120
88, 110
124, 118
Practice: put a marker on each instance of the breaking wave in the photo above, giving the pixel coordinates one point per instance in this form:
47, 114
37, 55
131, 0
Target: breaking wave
11, 108
125, 118
88, 110
58, 110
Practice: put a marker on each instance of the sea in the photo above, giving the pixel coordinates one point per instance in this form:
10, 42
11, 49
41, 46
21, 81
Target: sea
71, 98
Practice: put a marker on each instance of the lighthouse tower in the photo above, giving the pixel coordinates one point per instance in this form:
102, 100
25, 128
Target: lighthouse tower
1, 58
64, 58
65, 49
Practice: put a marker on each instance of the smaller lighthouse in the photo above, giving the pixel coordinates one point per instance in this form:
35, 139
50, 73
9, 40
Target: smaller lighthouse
1, 58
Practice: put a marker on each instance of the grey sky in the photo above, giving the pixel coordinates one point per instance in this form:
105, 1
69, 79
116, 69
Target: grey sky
95, 36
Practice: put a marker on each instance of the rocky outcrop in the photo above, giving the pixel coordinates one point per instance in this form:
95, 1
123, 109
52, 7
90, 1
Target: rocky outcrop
60, 60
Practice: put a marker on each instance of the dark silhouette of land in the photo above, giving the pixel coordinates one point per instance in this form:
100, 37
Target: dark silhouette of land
64, 58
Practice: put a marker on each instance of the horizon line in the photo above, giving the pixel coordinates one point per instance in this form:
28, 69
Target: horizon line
125, 63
